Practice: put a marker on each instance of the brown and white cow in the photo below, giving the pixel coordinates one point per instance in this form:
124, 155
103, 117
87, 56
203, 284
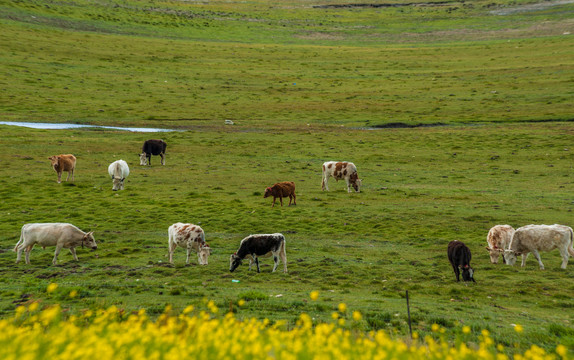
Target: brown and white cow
281, 190
498, 239
60, 235
62, 163
152, 147
536, 238
190, 237
340, 171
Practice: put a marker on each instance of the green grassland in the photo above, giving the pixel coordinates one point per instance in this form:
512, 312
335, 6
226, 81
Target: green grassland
304, 85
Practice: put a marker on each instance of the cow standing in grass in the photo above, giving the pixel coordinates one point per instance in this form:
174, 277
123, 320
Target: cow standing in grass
152, 147
498, 239
190, 237
260, 245
341, 171
61, 163
119, 171
60, 235
536, 238
281, 190
459, 257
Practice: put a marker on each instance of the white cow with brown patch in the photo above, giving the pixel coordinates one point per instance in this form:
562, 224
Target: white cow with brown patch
498, 239
190, 237
536, 238
61, 163
341, 170
60, 235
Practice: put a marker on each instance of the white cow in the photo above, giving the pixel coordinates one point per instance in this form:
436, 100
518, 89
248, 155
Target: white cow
498, 239
340, 171
190, 237
60, 235
119, 171
535, 238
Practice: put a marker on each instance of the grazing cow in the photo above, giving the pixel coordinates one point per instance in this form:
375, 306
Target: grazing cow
257, 246
119, 171
60, 235
535, 238
190, 237
498, 239
459, 257
62, 163
152, 147
340, 171
281, 190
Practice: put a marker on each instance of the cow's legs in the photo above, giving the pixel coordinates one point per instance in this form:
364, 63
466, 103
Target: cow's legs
162, 158
56, 253
281, 200
456, 272
324, 183
59, 177
28, 251
276, 262
537, 256
257, 263
273, 203
149, 159
348, 184
565, 255
188, 254
73, 251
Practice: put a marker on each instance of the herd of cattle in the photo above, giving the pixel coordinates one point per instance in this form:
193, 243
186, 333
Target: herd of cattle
501, 239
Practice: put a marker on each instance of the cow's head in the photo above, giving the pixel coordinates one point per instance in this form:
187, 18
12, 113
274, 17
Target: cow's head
143, 159
494, 254
55, 160
355, 181
118, 183
203, 254
89, 241
268, 192
510, 257
234, 262
467, 273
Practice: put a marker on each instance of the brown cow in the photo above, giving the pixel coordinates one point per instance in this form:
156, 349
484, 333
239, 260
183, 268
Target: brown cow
62, 163
340, 171
281, 190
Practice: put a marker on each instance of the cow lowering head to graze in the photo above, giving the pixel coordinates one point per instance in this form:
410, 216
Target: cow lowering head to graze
60, 235
498, 239
459, 257
190, 237
340, 171
260, 245
536, 238
119, 171
62, 163
281, 190
152, 147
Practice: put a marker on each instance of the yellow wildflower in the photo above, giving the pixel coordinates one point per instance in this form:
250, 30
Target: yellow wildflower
466, 329
51, 288
518, 328
357, 316
314, 295
342, 307
73, 293
435, 327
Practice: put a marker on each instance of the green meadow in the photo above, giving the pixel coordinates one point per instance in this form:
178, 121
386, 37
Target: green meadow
458, 116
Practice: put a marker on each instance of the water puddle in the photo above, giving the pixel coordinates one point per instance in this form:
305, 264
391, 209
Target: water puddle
62, 126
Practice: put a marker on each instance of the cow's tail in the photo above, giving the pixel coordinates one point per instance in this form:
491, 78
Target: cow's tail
571, 247
17, 246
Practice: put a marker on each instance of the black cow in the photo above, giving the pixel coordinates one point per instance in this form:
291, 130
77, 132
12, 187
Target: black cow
459, 257
152, 147
260, 245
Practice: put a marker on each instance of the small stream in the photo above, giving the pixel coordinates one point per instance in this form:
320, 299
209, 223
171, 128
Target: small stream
62, 126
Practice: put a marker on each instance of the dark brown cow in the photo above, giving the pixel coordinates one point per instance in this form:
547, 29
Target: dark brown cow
62, 163
152, 147
281, 190
459, 257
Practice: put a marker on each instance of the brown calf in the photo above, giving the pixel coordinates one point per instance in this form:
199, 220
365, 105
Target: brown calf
281, 190
62, 163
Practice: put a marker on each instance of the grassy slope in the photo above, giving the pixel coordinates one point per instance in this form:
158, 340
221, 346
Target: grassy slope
289, 88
